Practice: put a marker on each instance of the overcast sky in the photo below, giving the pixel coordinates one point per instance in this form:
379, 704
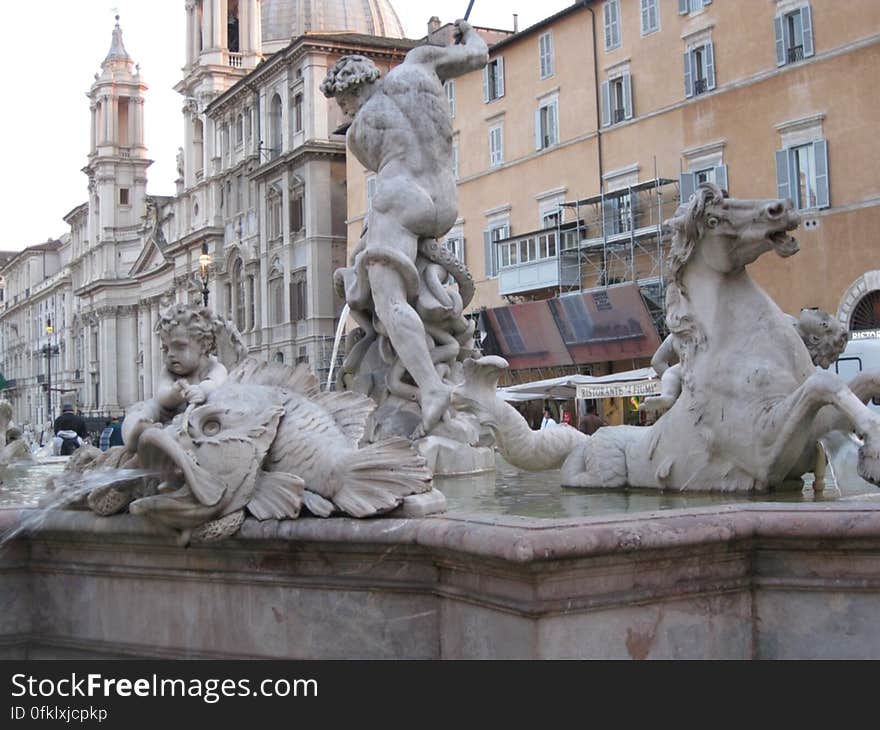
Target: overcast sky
53, 48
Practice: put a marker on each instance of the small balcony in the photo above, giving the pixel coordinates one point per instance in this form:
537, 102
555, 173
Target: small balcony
235, 60
531, 262
619, 115
795, 54
701, 86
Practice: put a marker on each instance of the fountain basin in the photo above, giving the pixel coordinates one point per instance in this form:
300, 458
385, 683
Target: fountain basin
751, 580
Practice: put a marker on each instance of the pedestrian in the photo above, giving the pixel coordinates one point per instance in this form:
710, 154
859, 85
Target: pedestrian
70, 429
591, 422
548, 420
111, 435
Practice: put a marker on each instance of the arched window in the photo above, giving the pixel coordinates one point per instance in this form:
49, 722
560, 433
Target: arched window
297, 205
198, 147
273, 213
238, 293
232, 26
279, 356
275, 138
298, 296
866, 314
276, 292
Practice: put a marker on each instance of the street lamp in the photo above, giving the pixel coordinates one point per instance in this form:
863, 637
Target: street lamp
49, 349
204, 266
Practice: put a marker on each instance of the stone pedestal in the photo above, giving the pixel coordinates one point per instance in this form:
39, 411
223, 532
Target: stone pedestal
446, 457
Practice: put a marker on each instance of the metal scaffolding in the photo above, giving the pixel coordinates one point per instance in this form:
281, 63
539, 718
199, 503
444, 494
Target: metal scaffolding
617, 237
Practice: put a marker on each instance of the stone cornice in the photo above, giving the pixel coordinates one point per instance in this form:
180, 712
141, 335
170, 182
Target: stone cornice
312, 150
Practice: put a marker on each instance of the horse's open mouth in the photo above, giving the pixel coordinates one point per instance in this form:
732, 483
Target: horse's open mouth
783, 244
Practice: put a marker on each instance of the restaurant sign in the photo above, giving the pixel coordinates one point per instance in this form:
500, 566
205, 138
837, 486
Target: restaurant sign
590, 391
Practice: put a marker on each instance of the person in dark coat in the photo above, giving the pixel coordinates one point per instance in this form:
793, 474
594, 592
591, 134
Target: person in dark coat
69, 421
71, 429
591, 423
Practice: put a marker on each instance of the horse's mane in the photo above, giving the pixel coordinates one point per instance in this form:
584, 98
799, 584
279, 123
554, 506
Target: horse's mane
686, 227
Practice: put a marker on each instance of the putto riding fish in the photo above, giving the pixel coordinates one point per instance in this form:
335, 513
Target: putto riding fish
268, 441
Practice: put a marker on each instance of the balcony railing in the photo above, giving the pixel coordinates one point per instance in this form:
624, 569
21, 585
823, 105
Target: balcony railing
619, 115
235, 59
795, 53
700, 86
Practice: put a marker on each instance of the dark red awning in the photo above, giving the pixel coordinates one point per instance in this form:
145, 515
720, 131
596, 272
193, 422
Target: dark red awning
599, 325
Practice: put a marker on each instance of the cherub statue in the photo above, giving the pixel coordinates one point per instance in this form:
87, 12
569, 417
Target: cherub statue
191, 368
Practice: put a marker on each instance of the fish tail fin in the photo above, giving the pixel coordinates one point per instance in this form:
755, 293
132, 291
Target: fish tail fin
375, 479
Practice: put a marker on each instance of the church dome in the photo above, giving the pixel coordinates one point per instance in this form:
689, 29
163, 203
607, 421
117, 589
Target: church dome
283, 20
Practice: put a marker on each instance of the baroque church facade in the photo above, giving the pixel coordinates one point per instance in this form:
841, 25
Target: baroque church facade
261, 190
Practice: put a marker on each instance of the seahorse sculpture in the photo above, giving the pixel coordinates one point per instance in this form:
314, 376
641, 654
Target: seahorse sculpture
752, 404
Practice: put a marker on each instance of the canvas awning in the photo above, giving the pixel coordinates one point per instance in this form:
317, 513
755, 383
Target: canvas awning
640, 382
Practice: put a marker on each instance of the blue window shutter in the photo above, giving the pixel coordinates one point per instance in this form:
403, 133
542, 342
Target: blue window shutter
721, 177
606, 104
553, 131
488, 254
606, 15
539, 142
807, 27
710, 65
687, 185
783, 182
780, 41
706, 2
486, 82
688, 76
627, 97
820, 150
500, 88
683, 7
646, 17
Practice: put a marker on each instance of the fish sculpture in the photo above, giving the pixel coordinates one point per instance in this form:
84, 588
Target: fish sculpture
268, 442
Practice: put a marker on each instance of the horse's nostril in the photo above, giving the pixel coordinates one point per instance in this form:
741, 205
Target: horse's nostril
774, 210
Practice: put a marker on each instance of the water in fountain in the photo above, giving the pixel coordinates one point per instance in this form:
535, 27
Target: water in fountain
340, 328
69, 488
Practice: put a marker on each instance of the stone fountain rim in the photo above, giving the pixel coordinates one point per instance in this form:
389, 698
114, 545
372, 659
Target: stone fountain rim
521, 540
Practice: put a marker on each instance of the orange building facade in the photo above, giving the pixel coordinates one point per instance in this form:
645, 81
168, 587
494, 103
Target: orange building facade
588, 128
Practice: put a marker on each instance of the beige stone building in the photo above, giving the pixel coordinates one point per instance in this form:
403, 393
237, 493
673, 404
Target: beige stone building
587, 128
260, 189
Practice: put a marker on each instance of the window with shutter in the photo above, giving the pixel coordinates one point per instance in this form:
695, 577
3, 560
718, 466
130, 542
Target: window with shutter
612, 24
650, 17
794, 36
496, 146
546, 121
687, 186
617, 100
493, 79
802, 175
455, 245
545, 52
450, 96
699, 69
692, 6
